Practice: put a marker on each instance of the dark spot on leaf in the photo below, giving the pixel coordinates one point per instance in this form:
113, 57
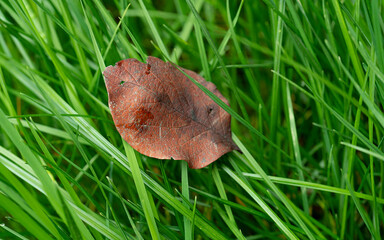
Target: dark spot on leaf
140, 119
193, 114
143, 115
162, 98
148, 71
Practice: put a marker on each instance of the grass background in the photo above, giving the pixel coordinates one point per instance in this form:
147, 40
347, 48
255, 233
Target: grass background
306, 85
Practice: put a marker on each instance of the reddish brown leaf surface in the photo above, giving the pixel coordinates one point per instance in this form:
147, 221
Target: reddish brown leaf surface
163, 114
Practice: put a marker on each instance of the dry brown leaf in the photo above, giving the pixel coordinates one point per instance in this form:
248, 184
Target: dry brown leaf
163, 114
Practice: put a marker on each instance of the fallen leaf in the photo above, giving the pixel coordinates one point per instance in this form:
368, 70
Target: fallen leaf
163, 114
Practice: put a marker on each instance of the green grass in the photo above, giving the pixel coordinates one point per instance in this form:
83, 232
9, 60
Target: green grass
305, 80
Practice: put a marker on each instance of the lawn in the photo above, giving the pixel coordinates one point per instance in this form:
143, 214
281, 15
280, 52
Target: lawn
305, 83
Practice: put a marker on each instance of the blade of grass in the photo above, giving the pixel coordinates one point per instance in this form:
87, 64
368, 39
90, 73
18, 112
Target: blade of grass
295, 142
153, 28
262, 204
185, 191
257, 168
34, 162
30, 224
147, 207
